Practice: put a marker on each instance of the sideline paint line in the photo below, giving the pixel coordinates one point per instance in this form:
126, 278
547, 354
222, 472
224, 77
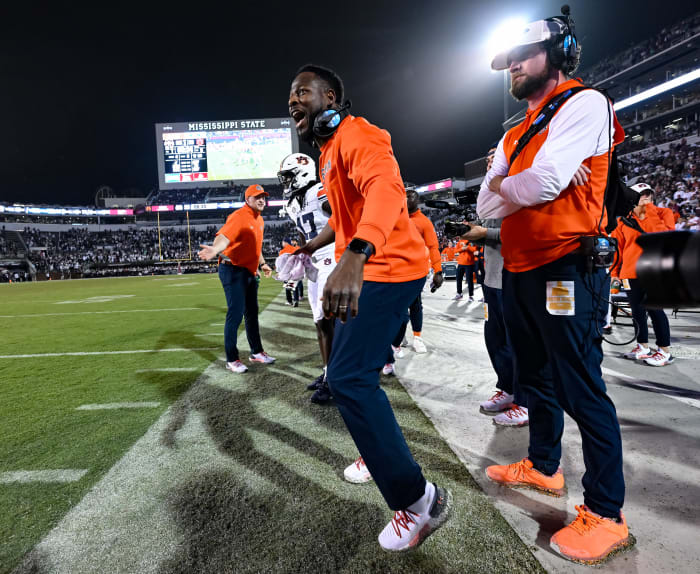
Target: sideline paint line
110, 406
169, 370
648, 385
101, 312
87, 353
57, 475
218, 324
219, 334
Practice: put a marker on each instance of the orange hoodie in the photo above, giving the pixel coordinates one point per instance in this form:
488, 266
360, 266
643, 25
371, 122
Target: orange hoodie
427, 232
628, 250
448, 254
465, 257
366, 193
539, 234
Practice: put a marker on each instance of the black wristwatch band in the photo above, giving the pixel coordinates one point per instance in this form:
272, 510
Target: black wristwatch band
361, 246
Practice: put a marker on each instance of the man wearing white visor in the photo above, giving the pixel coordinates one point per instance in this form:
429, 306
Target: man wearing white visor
547, 182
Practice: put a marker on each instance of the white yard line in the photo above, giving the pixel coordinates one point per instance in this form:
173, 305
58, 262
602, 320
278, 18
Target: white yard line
112, 406
87, 353
169, 370
101, 312
57, 475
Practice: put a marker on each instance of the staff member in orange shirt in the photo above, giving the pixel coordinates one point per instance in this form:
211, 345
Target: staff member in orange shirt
448, 253
465, 267
239, 246
381, 270
551, 300
645, 218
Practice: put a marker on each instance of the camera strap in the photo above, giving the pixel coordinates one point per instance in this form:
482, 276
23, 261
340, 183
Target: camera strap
541, 121
633, 223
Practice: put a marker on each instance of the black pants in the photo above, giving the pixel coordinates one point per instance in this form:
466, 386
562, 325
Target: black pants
637, 296
469, 271
553, 315
241, 290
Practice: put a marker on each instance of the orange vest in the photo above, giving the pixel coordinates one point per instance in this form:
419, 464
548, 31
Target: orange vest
540, 234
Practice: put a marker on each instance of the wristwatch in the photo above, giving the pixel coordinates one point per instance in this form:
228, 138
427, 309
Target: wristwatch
361, 246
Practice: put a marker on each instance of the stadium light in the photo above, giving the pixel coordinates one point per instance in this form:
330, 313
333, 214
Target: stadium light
656, 90
504, 35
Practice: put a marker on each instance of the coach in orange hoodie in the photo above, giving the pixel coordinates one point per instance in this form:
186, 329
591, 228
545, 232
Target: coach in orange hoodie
381, 269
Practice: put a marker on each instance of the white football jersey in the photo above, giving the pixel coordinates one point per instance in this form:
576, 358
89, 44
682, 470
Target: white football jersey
310, 219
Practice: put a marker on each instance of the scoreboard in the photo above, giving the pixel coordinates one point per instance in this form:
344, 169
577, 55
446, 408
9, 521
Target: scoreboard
216, 153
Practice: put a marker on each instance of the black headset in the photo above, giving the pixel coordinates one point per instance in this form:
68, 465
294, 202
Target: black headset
328, 120
563, 50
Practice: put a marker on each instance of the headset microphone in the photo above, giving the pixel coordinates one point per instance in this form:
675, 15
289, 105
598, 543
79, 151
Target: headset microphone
328, 121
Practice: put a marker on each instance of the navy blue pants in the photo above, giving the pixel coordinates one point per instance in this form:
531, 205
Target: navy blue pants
498, 346
572, 347
468, 271
637, 296
358, 354
241, 290
415, 315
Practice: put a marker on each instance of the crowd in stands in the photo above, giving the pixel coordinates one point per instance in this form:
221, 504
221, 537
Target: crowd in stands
639, 52
202, 195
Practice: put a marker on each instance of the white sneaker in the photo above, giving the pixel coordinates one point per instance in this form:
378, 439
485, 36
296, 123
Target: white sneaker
471, 299
404, 343
419, 345
262, 357
388, 369
659, 359
457, 297
514, 417
357, 472
637, 353
236, 367
500, 401
398, 352
409, 529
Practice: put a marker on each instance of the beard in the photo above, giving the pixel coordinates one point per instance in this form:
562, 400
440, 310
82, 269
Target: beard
530, 84
307, 134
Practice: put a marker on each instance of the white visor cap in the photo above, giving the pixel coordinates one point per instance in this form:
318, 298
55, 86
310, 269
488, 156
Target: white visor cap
534, 33
640, 187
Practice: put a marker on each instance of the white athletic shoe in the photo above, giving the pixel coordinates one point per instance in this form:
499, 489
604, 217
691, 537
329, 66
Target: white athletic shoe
404, 343
514, 417
408, 529
419, 345
471, 299
388, 369
357, 472
262, 357
659, 359
398, 352
637, 353
236, 367
500, 401
457, 297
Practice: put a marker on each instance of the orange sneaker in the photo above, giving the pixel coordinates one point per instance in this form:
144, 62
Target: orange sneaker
522, 475
591, 539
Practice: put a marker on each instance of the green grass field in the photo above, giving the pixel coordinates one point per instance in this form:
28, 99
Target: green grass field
244, 472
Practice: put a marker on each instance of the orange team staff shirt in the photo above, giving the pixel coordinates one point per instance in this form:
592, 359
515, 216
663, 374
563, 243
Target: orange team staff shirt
427, 231
466, 257
539, 234
244, 229
448, 254
629, 252
365, 190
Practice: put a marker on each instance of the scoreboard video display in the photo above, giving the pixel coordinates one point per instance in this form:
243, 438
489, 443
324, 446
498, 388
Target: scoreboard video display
213, 154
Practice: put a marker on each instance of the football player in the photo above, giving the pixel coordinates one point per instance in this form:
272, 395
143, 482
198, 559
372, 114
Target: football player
309, 210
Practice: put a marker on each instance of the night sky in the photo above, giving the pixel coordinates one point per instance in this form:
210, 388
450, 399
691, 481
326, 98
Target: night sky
83, 86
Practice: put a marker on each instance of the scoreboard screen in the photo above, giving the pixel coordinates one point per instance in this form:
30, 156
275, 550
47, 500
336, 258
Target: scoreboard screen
214, 154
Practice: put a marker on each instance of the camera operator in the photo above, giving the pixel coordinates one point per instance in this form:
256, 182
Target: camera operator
645, 218
508, 402
551, 287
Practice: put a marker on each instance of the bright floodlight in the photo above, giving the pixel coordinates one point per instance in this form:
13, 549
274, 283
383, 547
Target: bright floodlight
656, 90
504, 35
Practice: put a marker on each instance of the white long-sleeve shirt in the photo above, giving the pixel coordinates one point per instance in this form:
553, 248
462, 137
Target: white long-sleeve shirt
579, 130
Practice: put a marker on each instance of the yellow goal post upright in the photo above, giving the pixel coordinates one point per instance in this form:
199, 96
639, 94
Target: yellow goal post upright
189, 242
